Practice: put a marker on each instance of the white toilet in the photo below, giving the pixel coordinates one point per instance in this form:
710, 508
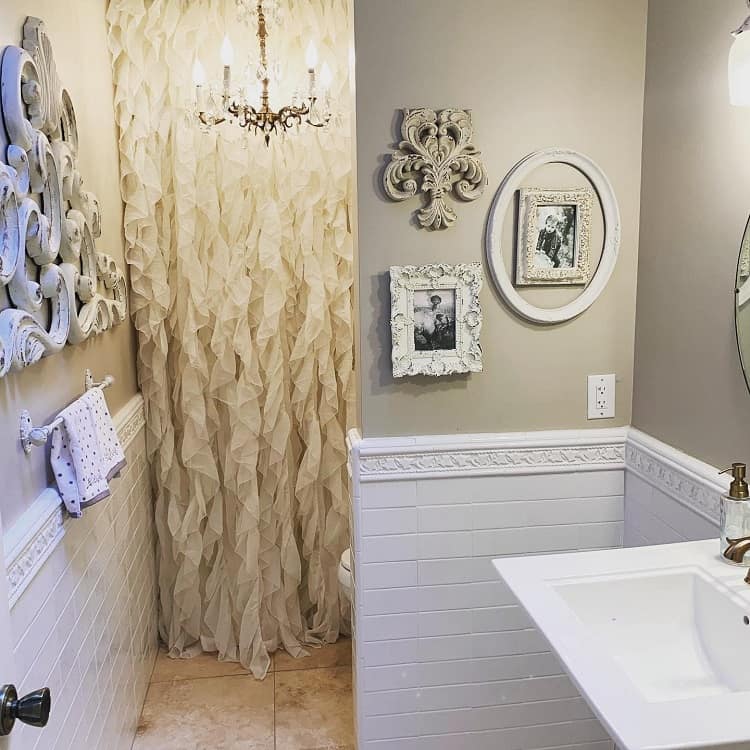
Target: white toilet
345, 574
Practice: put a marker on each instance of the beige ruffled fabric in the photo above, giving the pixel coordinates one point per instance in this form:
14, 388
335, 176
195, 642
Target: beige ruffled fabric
241, 275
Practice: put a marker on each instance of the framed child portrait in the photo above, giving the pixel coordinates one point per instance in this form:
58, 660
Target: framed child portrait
554, 234
436, 319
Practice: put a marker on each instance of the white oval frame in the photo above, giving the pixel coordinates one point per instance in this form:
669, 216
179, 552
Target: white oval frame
612, 231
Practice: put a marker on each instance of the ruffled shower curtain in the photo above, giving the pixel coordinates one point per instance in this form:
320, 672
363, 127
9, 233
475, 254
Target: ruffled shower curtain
240, 260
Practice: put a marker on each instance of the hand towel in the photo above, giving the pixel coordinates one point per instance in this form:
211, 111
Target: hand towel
85, 452
111, 455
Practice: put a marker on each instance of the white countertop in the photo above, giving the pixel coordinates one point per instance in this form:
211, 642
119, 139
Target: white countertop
638, 717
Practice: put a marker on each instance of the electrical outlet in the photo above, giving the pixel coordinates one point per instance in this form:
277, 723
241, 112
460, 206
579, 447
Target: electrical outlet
601, 396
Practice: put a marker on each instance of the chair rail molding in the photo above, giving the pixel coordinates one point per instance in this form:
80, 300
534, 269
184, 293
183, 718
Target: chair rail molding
693, 483
382, 459
49, 222
32, 539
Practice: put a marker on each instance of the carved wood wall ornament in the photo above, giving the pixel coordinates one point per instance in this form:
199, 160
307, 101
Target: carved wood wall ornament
55, 286
435, 157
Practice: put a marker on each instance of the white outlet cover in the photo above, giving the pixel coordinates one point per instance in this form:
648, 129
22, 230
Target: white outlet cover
601, 396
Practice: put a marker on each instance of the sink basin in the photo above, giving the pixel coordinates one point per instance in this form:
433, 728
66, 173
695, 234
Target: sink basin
675, 634
657, 639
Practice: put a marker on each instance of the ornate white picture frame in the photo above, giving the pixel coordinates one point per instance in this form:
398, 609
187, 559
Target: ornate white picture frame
501, 207
554, 234
436, 319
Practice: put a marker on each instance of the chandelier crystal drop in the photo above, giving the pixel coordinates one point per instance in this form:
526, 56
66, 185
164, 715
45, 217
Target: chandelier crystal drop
249, 105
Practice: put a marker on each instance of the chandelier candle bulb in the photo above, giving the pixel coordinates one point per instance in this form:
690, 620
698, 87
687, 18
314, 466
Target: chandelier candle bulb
227, 58
199, 80
311, 59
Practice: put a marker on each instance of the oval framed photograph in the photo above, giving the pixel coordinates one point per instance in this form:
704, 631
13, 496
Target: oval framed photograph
514, 182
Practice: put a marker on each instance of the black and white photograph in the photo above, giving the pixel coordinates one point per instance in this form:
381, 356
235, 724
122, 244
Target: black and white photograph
553, 237
435, 320
556, 228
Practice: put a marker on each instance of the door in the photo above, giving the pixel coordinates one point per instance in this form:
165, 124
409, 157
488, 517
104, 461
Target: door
16, 708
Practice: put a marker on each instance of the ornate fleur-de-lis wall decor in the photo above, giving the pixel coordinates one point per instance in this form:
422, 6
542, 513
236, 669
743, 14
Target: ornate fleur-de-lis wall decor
436, 157
55, 286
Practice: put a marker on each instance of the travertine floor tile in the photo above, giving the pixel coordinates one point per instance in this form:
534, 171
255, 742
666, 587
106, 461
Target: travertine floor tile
314, 709
203, 665
221, 713
331, 655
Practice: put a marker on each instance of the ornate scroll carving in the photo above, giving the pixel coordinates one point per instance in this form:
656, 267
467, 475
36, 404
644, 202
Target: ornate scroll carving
55, 286
435, 157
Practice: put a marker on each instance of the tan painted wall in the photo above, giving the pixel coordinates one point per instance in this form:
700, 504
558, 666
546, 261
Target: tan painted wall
689, 389
78, 34
536, 74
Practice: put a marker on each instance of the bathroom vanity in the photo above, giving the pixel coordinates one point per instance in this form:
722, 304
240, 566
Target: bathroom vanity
655, 638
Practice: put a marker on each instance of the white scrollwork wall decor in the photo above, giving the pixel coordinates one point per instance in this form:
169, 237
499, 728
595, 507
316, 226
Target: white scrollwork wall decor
436, 319
435, 157
55, 286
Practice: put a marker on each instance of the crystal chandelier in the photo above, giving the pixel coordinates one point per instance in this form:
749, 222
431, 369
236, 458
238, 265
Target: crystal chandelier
216, 104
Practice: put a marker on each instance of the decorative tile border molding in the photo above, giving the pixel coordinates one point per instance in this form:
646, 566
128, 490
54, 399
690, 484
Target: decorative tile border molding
492, 454
35, 535
691, 482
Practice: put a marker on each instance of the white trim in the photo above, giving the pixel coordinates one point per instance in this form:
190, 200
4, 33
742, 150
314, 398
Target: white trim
693, 483
34, 536
31, 541
130, 420
612, 232
385, 459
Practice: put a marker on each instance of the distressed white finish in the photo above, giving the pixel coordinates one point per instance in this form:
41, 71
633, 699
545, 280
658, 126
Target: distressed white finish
436, 157
48, 222
85, 621
528, 273
444, 656
612, 231
466, 279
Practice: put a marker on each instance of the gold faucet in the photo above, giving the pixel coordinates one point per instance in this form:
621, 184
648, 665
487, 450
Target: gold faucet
737, 549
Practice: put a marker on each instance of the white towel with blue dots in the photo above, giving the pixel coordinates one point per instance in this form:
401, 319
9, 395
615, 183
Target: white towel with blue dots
85, 452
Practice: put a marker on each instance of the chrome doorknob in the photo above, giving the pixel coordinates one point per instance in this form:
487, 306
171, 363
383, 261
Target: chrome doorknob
32, 709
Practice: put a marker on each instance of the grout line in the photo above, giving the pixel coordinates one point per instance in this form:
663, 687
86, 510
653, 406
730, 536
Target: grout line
268, 675
334, 666
204, 677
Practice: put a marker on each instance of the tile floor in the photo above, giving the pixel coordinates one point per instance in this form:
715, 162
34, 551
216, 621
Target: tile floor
201, 703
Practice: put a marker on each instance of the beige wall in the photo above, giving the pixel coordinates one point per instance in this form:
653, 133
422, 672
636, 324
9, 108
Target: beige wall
536, 74
689, 389
78, 34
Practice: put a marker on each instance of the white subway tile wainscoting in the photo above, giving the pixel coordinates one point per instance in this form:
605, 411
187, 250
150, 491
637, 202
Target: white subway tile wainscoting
445, 657
84, 606
670, 496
